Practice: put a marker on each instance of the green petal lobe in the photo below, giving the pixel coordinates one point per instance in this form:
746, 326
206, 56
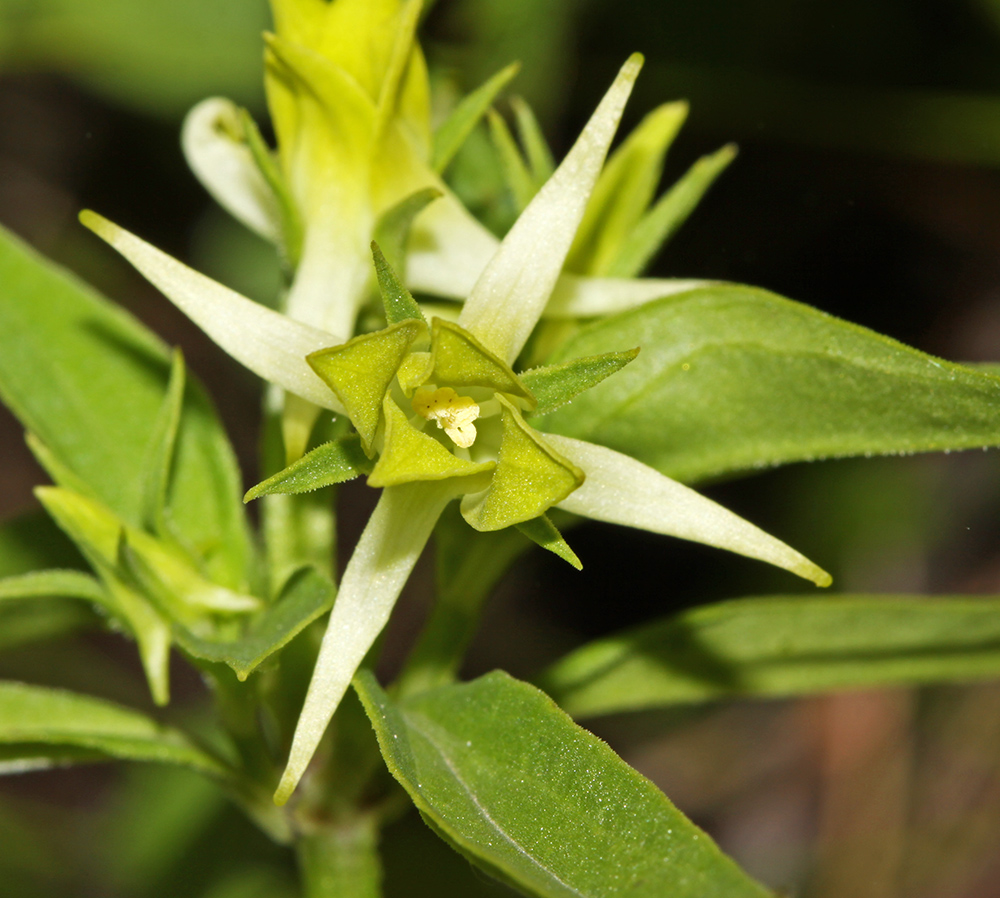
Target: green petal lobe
555, 385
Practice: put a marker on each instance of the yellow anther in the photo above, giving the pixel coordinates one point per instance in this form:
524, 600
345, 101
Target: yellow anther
453, 413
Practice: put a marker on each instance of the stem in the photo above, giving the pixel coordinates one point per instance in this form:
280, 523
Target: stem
466, 577
341, 860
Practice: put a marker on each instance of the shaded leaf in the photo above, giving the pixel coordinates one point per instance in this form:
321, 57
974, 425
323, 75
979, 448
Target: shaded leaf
781, 645
544, 533
97, 406
306, 596
33, 715
732, 378
398, 301
512, 783
392, 231
455, 129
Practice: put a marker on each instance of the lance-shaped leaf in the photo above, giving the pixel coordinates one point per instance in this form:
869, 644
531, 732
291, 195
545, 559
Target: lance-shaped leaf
33, 717
51, 584
497, 770
334, 462
512, 291
660, 223
621, 490
390, 544
779, 646
555, 385
732, 378
162, 451
271, 345
536, 149
544, 533
454, 130
398, 301
531, 476
392, 231
520, 180
624, 190
587, 297
306, 596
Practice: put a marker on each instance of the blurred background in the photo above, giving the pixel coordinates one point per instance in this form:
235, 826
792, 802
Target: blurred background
867, 185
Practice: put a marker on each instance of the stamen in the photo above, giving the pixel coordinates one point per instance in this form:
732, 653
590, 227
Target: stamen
453, 413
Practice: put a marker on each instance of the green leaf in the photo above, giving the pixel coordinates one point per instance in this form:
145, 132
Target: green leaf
162, 448
555, 385
497, 770
306, 595
624, 190
455, 129
334, 462
781, 645
392, 231
398, 301
97, 406
661, 222
520, 181
35, 718
536, 148
732, 378
52, 584
544, 533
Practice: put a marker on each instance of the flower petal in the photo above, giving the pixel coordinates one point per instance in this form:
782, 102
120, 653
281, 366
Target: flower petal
511, 293
386, 553
622, 490
588, 297
271, 345
222, 161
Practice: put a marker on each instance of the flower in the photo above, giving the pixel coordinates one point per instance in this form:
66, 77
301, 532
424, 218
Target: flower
373, 376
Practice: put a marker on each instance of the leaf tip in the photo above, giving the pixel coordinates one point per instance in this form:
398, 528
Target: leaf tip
98, 224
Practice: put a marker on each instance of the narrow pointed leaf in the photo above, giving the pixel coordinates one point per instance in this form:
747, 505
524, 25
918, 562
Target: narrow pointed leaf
624, 190
511, 293
392, 231
661, 222
520, 181
780, 646
305, 597
544, 533
621, 490
334, 462
497, 769
536, 148
96, 407
388, 549
162, 451
455, 129
271, 345
555, 385
53, 583
732, 378
398, 301
33, 716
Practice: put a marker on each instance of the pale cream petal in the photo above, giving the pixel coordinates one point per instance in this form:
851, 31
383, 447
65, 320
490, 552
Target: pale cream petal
621, 490
385, 555
271, 345
512, 292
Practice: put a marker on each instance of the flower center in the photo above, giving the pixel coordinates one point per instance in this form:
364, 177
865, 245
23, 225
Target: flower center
454, 414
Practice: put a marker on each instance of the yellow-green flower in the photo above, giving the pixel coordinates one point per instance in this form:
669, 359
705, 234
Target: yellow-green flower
398, 384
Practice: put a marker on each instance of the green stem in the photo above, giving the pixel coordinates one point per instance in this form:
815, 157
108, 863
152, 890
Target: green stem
466, 577
341, 860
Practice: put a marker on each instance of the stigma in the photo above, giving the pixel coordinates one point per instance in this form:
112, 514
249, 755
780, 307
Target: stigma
454, 414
